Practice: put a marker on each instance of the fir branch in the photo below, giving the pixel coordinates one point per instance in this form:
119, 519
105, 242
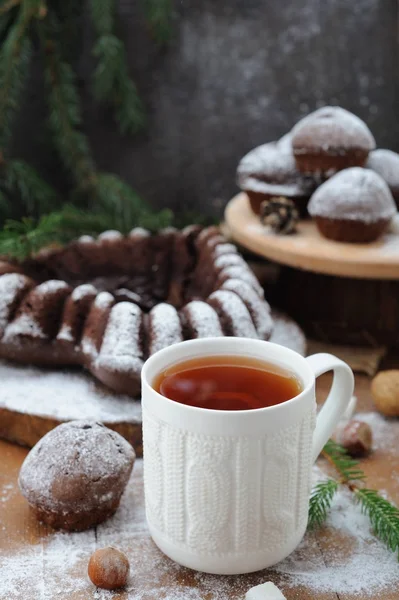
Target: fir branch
21, 239
383, 515
20, 179
65, 115
14, 60
158, 14
111, 80
320, 502
346, 466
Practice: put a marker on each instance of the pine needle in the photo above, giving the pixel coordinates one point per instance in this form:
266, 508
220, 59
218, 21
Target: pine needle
24, 181
346, 466
111, 80
384, 517
320, 502
65, 113
14, 61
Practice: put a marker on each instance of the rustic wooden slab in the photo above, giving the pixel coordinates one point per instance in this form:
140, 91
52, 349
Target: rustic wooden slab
33, 401
310, 251
41, 564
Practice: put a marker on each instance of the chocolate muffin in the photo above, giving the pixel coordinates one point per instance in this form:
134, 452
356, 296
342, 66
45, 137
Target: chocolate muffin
353, 206
386, 164
76, 474
269, 171
331, 139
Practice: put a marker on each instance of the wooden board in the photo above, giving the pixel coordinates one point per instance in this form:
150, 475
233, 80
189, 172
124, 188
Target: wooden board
33, 401
36, 563
308, 250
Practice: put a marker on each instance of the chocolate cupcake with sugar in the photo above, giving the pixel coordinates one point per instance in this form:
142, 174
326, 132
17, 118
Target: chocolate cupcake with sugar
355, 205
386, 164
329, 140
269, 171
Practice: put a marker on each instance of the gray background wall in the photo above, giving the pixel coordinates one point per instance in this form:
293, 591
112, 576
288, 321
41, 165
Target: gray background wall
236, 74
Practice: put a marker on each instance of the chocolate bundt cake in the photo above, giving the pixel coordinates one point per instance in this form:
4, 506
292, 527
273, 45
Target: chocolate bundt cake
108, 303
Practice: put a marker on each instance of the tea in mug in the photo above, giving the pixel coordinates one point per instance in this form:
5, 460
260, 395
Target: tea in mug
227, 383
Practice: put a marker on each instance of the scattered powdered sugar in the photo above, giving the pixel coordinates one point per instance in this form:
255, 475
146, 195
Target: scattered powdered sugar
356, 563
232, 309
86, 239
165, 327
65, 333
355, 194
287, 333
385, 432
120, 349
203, 319
386, 164
331, 128
62, 395
103, 300
258, 308
11, 285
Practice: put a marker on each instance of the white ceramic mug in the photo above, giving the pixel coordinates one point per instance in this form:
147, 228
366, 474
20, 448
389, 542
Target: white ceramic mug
227, 492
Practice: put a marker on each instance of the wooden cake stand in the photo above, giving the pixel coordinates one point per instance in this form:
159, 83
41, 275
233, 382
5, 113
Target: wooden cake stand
346, 293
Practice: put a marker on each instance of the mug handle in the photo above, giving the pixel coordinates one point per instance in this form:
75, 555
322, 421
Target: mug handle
338, 399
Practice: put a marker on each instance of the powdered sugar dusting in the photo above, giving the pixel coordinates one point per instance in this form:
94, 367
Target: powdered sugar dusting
11, 285
51, 286
386, 164
86, 289
24, 325
79, 451
271, 169
165, 327
65, 333
244, 274
258, 308
230, 307
120, 349
139, 232
203, 319
229, 260
110, 235
354, 194
62, 395
57, 567
221, 249
332, 128
287, 333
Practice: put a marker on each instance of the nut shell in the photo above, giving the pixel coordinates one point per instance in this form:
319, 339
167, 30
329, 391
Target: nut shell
356, 437
385, 391
108, 568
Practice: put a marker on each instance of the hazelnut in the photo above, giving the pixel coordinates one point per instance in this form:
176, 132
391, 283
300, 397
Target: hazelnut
108, 568
356, 438
385, 391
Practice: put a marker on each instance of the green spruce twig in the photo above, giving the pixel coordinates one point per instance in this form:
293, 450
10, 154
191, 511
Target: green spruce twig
111, 80
346, 466
65, 113
384, 517
320, 502
23, 181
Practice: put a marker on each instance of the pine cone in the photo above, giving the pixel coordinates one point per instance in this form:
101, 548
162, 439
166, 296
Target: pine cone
280, 214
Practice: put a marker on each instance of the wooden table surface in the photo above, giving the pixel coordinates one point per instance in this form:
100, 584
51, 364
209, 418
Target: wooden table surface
153, 575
